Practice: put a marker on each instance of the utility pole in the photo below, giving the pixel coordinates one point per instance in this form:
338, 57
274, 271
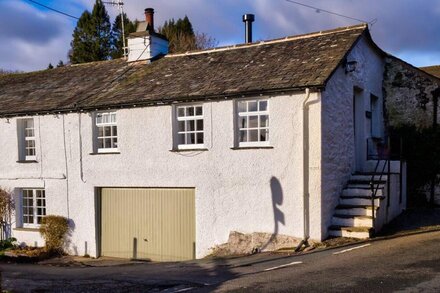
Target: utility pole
120, 6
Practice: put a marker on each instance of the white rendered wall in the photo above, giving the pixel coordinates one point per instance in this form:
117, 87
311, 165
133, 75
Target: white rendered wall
49, 173
233, 187
338, 153
138, 49
145, 48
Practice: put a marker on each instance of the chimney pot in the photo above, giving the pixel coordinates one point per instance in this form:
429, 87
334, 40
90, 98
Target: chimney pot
248, 19
149, 17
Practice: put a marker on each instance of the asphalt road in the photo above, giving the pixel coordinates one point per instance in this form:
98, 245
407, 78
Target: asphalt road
405, 264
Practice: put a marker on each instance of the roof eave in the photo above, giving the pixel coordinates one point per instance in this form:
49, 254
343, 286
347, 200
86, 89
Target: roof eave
162, 102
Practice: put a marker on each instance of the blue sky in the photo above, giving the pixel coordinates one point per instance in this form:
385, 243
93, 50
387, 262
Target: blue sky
32, 36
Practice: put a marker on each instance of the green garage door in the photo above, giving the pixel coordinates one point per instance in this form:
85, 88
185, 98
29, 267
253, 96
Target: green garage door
148, 223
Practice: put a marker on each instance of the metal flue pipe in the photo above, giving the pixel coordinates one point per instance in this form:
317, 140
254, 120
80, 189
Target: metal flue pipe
248, 19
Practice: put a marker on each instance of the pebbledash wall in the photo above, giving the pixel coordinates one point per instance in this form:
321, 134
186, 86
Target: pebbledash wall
233, 191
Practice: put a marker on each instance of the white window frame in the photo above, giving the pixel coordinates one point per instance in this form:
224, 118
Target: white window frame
38, 210
109, 123
27, 135
247, 114
185, 119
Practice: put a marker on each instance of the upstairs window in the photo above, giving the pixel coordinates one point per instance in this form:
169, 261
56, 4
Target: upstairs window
26, 140
33, 207
190, 126
106, 132
253, 122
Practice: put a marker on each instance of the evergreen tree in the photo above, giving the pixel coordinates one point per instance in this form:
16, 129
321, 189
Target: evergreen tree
180, 34
50, 66
60, 64
182, 38
117, 42
92, 36
185, 26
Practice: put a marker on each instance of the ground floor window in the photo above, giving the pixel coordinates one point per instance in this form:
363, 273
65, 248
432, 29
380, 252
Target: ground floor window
33, 207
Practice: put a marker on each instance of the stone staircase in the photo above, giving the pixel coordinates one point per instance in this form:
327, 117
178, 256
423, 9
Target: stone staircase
353, 216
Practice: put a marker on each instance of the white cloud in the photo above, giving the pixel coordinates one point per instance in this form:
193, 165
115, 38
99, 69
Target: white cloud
39, 37
31, 38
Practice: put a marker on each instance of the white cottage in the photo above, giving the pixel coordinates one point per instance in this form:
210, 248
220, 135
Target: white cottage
164, 157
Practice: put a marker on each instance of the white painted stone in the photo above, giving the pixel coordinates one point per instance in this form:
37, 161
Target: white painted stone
356, 211
360, 192
233, 187
358, 201
146, 48
349, 234
367, 178
338, 153
352, 222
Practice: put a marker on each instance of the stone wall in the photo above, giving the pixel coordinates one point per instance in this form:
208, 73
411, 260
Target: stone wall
408, 94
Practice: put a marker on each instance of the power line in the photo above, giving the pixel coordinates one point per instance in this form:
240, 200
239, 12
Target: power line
318, 10
53, 9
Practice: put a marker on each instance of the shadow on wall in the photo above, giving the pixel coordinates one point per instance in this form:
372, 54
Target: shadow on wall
68, 236
6, 230
278, 215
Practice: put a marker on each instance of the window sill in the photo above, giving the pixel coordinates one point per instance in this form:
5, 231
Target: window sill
27, 161
252, 147
189, 150
27, 229
107, 153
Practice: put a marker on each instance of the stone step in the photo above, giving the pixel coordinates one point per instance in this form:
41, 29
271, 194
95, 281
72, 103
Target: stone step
352, 221
355, 210
364, 185
367, 178
369, 173
359, 200
360, 191
351, 232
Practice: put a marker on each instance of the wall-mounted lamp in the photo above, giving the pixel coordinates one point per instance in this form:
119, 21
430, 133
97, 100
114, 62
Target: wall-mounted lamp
350, 66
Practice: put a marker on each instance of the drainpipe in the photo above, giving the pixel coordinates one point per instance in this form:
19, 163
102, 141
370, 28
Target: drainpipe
306, 194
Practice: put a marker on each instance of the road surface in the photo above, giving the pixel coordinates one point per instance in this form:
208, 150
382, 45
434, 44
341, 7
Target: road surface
404, 264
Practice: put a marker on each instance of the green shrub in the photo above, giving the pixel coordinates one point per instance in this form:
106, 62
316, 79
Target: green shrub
8, 243
54, 230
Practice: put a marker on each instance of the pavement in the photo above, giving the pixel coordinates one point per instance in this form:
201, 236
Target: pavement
403, 257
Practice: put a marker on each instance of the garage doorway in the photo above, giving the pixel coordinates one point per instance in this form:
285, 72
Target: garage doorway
155, 224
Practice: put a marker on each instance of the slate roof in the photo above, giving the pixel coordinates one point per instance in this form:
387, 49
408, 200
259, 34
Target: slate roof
433, 70
261, 68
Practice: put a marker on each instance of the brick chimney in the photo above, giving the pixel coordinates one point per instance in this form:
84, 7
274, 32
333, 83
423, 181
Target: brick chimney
145, 44
149, 18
